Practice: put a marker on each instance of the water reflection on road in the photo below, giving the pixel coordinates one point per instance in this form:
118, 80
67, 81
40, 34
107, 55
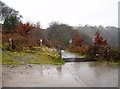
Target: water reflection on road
66, 54
72, 74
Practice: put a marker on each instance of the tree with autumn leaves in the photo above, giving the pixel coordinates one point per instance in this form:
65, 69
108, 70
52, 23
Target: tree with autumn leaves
100, 47
20, 35
78, 40
24, 28
78, 45
99, 41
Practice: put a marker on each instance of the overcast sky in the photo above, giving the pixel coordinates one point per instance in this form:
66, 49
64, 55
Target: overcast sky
72, 12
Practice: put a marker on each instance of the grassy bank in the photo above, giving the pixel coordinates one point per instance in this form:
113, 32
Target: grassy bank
0, 57
114, 63
39, 56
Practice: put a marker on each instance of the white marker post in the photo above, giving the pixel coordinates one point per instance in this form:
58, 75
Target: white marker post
70, 41
41, 43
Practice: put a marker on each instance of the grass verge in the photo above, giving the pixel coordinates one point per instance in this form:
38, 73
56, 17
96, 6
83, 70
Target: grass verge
7, 60
44, 56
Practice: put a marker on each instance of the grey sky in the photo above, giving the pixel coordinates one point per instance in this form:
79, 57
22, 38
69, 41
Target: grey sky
72, 12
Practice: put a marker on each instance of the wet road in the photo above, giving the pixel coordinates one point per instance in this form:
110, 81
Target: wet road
79, 74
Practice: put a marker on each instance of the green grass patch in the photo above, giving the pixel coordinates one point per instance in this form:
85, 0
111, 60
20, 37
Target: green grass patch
59, 61
0, 46
43, 56
16, 54
41, 59
114, 63
0, 57
8, 60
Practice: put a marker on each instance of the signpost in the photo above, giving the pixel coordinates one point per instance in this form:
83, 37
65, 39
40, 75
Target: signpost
59, 50
70, 41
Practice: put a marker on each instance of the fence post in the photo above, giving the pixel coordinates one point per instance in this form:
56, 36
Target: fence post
59, 50
10, 43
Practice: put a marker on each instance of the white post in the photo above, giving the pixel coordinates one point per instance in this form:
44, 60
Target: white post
70, 41
41, 43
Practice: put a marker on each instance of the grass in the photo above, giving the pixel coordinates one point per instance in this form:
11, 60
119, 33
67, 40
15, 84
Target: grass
41, 59
16, 54
44, 56
7, 60
59, 61
0, 45
45, 60
114, 63
0, 57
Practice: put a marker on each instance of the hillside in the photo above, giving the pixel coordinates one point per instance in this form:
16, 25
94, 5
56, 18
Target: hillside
109, 33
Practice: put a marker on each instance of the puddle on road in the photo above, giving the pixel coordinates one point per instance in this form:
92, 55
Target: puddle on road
66, 54
72, 74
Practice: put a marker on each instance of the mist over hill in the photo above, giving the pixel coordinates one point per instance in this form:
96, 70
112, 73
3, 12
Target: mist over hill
109, 33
